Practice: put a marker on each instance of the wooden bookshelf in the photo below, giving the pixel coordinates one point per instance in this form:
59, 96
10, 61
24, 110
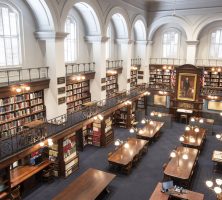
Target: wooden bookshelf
77, 93
17, 110
162, 77
54, 157
5, 184
125, 116
212, 79
133, 77
108, 134
111, 85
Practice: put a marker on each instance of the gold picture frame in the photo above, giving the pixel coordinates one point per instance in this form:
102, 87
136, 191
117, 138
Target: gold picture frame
187, 83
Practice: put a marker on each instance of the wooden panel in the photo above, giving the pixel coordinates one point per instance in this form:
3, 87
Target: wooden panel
88, 186
215, 105
160, 100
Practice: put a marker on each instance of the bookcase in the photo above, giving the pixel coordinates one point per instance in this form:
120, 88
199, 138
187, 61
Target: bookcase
133, 78
5, 184
212, 79
68, 156
77, 94
125, 116
54, 157
111, 85
108, 135
162, 77
17, 110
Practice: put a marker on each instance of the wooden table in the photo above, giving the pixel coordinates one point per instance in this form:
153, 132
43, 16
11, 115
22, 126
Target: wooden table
125, 154
22, 173
88, 186
181, 174
162, 117
217, 159
193, 139
33, 124
190, 195
203, 123
150, 130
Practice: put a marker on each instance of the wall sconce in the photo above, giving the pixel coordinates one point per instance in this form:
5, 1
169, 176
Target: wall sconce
78, 78
111, 72
22, 88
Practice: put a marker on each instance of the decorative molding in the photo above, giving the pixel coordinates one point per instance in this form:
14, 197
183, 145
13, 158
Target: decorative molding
122, 41
149, 42
93, 38
141, 42
50, 35
195, 42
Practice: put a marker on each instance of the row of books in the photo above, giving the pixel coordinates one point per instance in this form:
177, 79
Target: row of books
77, 85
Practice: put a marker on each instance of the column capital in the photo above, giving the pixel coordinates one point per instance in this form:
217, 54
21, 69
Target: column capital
141, 42
44, 35
95, 38
149, 42
192, 42
123, 41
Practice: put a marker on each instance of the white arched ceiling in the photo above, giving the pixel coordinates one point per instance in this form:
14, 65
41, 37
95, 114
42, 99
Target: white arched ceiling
42, 14
121, 22
205, 22
90, 18
140, 31
120, 26
179, 22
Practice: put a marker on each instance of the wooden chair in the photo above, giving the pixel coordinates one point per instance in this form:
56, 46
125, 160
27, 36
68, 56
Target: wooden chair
184, 117
15, 194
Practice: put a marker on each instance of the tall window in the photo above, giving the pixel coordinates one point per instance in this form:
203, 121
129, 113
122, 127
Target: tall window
70, 46
170, 44
216, 44
10, 47
109, 43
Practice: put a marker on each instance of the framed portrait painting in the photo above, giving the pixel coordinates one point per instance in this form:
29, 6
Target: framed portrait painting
187, 86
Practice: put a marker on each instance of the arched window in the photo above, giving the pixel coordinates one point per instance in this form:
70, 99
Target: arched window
70, 43
216, 44
109, 43
170, 44
10, 45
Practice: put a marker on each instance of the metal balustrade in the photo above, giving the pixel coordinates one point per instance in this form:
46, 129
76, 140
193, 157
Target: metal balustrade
136, 61
73, 68
208, 62
54, 126
167, 61
12, 76
112, 64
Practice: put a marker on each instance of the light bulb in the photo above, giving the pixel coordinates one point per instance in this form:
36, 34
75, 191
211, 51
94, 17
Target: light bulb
217, 190
192, 140
131, 130
126, 145
221, 114
100, 117
182, 139
192, 119
201, 120
83, 77
152, 114
185, 157
140, 131
218, 136
151, 122
187, 128
209, 184
172, 154
117, 143
78, 78
159, 115
143, 121
18, 90
41, 144
27, 88
95, 118
197, 130
219, 181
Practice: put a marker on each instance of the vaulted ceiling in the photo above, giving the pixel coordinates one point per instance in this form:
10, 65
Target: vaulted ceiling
166, 5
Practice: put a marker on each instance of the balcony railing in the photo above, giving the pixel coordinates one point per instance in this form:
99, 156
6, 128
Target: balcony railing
52, 127
136, 61
167, 61
112, 64
73, 68
8, 77
208, 62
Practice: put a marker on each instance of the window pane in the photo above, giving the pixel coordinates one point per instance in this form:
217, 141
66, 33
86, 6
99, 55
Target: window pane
5, 16
2, 52
216, 44
170, 44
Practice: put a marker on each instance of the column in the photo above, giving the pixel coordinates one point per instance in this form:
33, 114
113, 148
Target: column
54, 58
191, 51
124, 52
149, 49
98, 49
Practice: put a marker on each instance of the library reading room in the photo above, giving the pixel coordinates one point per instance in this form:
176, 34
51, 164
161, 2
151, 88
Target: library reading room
110, 100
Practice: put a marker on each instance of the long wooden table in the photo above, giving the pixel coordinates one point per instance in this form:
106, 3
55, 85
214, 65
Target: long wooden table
88, 186
22, 173
126, 153
193, 139
150, 131
189, 195
181, 170
162, 117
